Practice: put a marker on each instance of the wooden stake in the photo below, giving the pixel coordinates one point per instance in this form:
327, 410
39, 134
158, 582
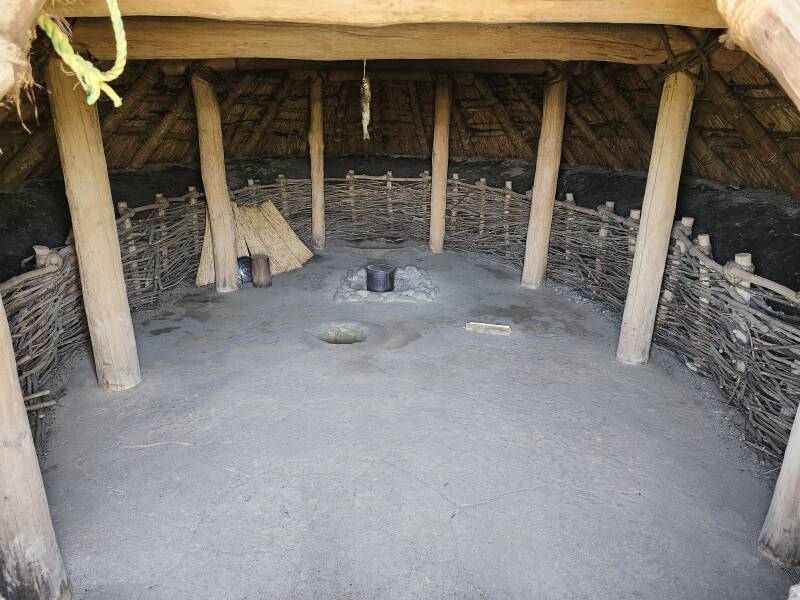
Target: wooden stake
215, 184
30, 561
658, 211
351, 194
507, 217
543, 195
316, 147
94, 228
439, 163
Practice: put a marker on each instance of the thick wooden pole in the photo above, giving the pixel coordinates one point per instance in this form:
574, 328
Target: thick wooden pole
543, 196
658, 212
30, 561
441, 139
780, 534
215, 184
93, 224
316, 148
770, 31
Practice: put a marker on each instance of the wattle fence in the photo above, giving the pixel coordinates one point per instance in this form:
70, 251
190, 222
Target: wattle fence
722, 321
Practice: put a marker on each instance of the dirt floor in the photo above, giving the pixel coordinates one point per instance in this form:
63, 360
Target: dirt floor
256, 461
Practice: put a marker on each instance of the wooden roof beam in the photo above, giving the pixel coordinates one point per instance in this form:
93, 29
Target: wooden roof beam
378, 13
266, 119
506, 122
621, 106
183, 39
537, 115
165, 125
21, 165
704, 154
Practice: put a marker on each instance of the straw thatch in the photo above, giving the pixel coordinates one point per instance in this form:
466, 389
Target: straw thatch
745, 130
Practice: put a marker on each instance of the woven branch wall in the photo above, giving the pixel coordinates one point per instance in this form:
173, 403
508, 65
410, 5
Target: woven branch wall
722, 321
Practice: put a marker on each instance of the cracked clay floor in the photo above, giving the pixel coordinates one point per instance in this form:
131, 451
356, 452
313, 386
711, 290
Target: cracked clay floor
255, 461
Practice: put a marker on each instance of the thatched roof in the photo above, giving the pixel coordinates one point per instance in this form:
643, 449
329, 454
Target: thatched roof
745, 130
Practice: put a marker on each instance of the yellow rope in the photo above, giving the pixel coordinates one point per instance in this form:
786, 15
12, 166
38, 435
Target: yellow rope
91, 78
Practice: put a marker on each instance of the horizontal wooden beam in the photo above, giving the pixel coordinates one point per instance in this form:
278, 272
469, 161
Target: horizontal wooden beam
152, 38
378, 13
344, 70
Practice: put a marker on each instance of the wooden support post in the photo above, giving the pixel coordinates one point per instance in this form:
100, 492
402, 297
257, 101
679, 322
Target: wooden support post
215, 184
93, 224
439, 163
316, 147
780, 534
770, 31
543, 195
30, 561
658, 211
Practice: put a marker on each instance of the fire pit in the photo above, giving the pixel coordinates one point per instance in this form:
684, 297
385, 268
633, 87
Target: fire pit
385, 283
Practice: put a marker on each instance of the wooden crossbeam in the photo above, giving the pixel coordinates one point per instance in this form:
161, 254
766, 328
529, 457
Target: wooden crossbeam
203, 39
694, 13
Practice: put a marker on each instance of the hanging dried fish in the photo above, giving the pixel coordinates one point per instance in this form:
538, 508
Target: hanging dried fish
366, 98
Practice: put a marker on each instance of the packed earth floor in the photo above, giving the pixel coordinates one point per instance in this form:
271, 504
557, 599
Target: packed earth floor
257, 461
